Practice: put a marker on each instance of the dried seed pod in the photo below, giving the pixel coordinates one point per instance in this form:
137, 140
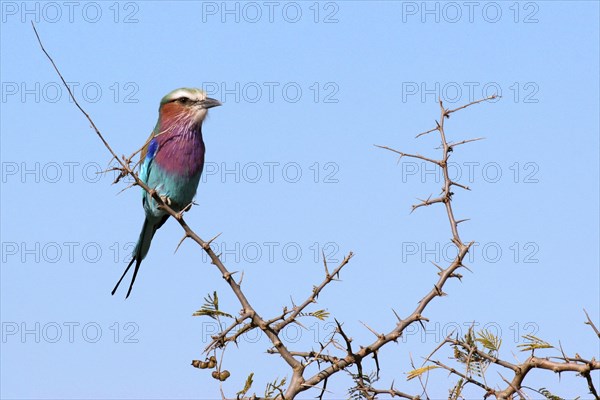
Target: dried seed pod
212, 362
221, 376
200, 364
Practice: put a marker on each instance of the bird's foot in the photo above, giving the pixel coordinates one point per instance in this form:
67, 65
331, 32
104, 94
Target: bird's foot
166, 200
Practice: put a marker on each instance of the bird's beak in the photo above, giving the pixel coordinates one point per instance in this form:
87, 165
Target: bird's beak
210, 103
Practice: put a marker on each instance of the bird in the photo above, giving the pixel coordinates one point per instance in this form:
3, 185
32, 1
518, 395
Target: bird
171, 164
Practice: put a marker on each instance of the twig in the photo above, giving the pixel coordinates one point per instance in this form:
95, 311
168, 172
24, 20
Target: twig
492, 97
590, 323
315, 293
418, 156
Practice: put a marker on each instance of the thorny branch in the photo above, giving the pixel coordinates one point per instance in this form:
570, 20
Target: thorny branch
520, 370
330, 364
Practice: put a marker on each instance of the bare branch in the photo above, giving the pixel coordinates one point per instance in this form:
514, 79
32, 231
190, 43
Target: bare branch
418, 156
492, 97
465, 377
465, 141
429, 131
590, 323
315, 293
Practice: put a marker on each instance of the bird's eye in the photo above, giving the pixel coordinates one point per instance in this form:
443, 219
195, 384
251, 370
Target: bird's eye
182, 100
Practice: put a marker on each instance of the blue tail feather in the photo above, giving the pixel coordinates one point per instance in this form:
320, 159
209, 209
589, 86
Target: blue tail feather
141, 249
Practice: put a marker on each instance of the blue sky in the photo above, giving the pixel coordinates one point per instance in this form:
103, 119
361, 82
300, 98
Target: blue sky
291, 171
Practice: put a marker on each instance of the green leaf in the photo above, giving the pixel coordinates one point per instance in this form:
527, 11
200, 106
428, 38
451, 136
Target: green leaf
419, 371
273, 387
319, 314
357, 392
534, 343
489, 340
210, 308
456, 391
247, 385
547, 394
211, 313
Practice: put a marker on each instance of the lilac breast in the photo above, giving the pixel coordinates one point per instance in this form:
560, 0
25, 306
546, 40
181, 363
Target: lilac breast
181, 152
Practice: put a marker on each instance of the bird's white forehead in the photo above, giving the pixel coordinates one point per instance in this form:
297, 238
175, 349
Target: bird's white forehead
193, 94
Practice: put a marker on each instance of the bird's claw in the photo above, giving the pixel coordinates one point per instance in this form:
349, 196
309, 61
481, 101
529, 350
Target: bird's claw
166, 200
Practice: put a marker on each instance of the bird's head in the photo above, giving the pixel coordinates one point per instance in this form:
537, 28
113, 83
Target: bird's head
187, 104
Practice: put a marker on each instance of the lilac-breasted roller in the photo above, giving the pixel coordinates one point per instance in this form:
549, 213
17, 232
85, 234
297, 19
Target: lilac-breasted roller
172, 162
